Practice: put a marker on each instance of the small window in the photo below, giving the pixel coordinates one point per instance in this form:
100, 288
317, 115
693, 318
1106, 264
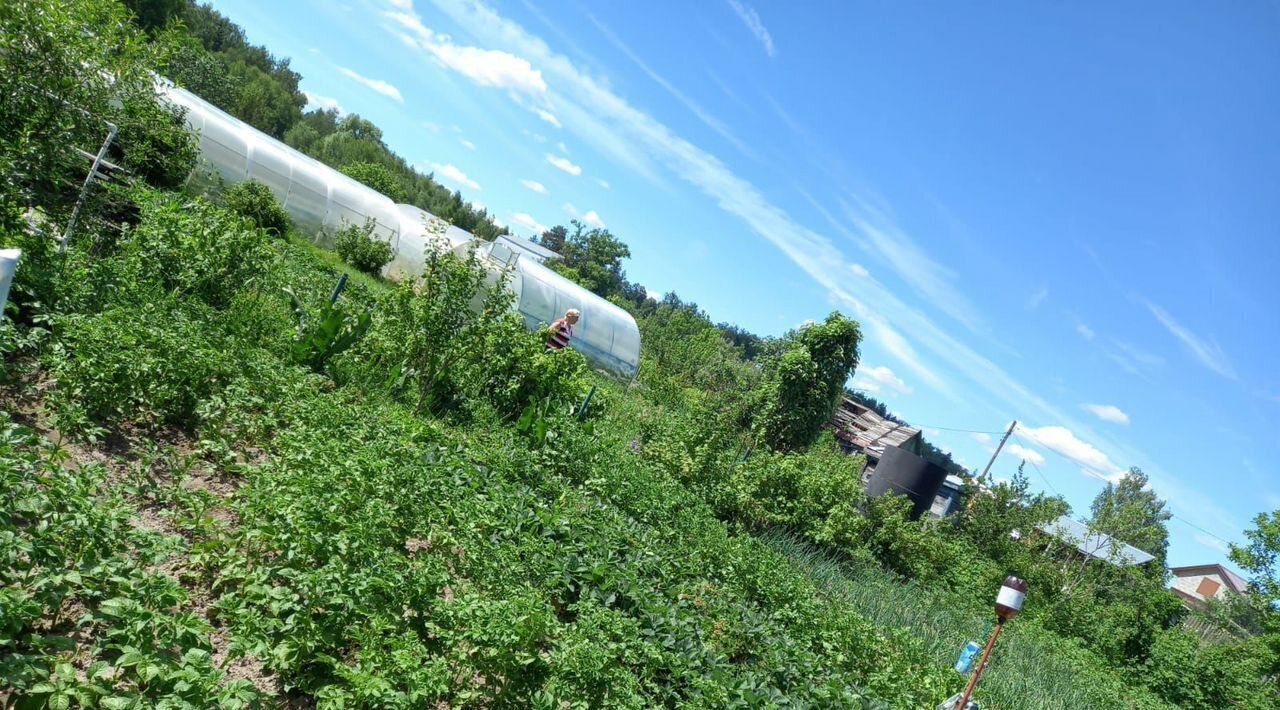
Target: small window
1208, 588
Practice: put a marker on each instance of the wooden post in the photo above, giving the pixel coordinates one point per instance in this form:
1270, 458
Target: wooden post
977, 673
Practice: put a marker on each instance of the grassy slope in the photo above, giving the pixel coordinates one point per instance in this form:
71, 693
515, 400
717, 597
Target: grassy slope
331, 545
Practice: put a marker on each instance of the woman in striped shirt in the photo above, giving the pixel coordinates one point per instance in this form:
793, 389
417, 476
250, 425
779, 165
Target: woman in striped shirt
562, 330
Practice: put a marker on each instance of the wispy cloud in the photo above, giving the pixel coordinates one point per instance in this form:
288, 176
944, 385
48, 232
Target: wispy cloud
876, 233
564, 164
487, 67
548, 117
377, 85
534, 186
1085, 331
1208, 352
1037, 298
694, 107
981, 437
751, 19
1107, 413
874, 379
527, 221
1212, 542
326, 103
453, 174
593, 218
602, 183
467, 144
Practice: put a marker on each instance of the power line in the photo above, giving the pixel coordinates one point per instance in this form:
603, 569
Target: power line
1172, 515
1036, 466
967, 431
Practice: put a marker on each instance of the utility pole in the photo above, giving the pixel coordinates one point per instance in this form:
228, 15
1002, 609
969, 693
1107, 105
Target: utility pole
999, 446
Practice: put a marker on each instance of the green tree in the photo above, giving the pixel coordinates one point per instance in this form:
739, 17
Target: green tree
803, 385
1260, 560
65, 70
1129, 511
153, 15
376, 176
591, 257
1008, 512
191, 66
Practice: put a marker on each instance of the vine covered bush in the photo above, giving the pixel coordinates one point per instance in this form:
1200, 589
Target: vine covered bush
357, 246
257, 203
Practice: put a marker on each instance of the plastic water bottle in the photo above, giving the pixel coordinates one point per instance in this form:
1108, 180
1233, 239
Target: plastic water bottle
965, 662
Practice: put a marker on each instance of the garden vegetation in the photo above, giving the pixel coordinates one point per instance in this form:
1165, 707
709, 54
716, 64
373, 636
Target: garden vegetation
237, 470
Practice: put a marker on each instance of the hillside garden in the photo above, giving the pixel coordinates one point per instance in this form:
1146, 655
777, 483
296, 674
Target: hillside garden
228, 481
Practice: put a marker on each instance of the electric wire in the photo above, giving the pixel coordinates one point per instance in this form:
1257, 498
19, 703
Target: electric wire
1172, 515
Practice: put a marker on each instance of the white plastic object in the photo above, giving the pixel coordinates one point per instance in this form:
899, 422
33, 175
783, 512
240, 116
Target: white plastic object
9, 259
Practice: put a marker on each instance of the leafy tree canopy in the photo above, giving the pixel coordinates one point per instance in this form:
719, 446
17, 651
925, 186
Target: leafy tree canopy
1131, 512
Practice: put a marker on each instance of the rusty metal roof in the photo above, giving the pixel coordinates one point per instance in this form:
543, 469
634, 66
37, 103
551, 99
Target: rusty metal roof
869, 431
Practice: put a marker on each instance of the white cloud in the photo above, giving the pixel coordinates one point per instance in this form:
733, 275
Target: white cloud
1026, 454
570, 209
1211, 542
321, 102
467, 144
981, 437
1209, 353
1034, 301
527, 221
377, 85
477, 205
452, 174
548, 117
433, 127
859, 270
1085, 331
873, 379
535, 186
1107, 413
602, 183
564, 164
563, 148
485, 67
748, 15
402, 4
1062, 440
593, 219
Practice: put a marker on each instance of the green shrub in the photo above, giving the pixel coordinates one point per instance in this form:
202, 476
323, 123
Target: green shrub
356, 245
149, 365
191, 247
255, 201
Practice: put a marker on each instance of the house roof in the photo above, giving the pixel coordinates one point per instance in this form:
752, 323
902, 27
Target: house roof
869, 431
1233, 580
1095, 545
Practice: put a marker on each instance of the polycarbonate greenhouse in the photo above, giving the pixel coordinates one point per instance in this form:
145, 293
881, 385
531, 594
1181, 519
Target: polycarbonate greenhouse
321, 200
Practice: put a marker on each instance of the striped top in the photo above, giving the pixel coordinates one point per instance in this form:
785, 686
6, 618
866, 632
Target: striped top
561, 332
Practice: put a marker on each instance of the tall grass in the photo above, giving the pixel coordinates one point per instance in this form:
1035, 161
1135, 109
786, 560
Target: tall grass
1029, 668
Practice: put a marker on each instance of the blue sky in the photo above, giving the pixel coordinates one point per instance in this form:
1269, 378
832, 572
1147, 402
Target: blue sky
1067, 216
